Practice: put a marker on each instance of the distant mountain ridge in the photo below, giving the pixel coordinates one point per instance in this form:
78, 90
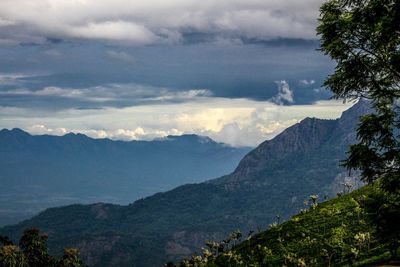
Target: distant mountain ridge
37, 172
272, 180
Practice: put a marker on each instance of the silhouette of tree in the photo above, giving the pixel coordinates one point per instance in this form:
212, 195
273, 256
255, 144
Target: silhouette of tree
363, 37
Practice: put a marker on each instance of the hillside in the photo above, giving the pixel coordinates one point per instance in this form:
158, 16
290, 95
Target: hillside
339, 232
38, 172
274, 179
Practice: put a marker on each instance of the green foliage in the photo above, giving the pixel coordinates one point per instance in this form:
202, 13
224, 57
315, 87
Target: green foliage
33, 252
386, 208
214, 249
34, 245
70, 258
364, 38
12, 256
340, 232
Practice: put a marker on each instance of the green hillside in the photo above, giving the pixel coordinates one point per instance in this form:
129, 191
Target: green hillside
339, 232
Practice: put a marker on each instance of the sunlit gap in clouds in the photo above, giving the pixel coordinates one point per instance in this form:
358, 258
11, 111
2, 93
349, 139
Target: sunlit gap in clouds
238, 122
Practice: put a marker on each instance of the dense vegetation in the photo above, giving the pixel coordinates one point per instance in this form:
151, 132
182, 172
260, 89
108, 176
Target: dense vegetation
340, 232
33, 252
363, 37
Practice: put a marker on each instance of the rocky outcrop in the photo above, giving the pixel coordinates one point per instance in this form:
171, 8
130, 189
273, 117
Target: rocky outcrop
304, 137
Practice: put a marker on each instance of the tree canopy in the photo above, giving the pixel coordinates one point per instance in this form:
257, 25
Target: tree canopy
33, 252
363, 37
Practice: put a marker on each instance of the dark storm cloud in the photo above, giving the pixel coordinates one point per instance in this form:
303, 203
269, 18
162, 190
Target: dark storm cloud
231, 49
225, 69
113, 95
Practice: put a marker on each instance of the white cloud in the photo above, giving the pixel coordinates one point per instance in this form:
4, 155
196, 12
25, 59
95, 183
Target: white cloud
114, 31
183, 95
251, 134
119, 134
47, 91
307, 82
126, 134
41, 129
152, 21
12, 78
4, 22
114, 94
284, 93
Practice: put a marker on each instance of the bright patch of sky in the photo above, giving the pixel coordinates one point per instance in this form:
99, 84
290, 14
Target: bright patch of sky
239, 122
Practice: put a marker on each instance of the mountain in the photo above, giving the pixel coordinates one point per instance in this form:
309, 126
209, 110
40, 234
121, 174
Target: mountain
37, 172
271, 181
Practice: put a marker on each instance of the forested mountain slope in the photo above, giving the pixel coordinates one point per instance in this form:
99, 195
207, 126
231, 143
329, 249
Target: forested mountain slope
38, 172
272, 180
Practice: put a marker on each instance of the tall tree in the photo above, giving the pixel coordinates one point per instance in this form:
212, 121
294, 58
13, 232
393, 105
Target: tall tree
363, 37
34, 245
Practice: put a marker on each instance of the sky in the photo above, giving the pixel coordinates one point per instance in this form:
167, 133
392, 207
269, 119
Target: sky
239, 71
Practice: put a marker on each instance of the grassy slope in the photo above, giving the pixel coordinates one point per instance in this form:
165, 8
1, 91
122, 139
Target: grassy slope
324, 236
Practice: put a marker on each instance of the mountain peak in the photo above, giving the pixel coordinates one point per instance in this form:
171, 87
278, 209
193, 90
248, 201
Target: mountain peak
363, 106
351, 116
308, 135
14, 132
77, 136
189, 138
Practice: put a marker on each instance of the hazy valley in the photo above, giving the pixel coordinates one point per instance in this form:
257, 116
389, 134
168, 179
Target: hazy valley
38, 172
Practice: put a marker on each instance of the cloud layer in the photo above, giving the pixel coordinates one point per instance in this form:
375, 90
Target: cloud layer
156, 21
98, 97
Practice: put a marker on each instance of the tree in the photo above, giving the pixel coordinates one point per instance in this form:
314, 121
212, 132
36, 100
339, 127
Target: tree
33, 252
363, 37
34, 245
70, 258
11, 256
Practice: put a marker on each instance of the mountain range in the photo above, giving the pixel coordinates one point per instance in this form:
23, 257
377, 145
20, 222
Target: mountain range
38, 172
269, 184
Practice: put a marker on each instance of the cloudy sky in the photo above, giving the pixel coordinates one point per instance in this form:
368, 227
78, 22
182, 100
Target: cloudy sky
239, 71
